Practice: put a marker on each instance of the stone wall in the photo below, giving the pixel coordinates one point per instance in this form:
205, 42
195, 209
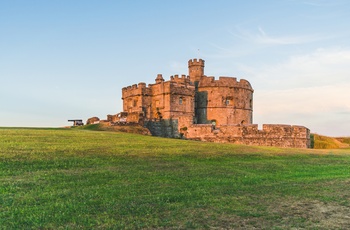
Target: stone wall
163, 128
270, 135
225, 101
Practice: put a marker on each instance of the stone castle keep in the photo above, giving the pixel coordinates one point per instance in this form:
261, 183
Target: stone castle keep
199, 107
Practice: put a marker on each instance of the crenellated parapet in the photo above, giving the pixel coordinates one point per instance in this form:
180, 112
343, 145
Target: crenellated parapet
134, 90
196, 62
224, 82
183, 79
141, 85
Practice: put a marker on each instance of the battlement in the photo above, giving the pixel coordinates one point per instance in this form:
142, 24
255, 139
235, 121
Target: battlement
194, 61
224, 82
142, 88
180, 79
176, 76
141, 85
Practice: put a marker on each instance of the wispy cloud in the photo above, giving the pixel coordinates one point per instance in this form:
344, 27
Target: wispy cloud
246, 42
263, 38
310, 89
308, 100
322, 109
260, 36
319, 68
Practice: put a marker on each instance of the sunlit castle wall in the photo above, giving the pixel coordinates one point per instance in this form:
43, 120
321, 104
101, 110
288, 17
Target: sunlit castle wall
224, 101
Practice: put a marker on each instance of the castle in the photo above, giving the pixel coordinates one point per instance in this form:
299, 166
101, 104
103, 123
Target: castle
199, 107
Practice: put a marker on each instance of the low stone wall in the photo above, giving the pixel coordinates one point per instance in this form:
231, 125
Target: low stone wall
271, 135
288, 136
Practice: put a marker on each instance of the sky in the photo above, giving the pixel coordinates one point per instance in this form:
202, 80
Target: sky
64, 59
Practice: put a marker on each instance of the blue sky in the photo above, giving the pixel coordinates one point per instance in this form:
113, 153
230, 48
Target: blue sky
64, 59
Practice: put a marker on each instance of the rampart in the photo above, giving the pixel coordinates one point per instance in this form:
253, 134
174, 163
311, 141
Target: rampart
271, 135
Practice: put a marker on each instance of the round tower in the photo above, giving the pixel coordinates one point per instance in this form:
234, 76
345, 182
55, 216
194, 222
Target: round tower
195, 69
225, 101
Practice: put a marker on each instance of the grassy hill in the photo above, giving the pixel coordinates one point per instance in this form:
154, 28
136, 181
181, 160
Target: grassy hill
344, 140
76, 178
324, 142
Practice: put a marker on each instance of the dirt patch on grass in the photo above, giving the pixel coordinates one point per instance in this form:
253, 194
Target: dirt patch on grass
311, 214
287, 213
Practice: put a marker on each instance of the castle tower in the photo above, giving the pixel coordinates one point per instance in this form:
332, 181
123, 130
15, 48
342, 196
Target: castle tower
159, 79
195, 69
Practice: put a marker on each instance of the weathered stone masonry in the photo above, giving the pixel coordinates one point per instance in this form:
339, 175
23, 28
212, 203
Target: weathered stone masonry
203, 108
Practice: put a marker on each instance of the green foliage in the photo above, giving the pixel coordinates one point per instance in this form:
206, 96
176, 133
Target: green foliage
75, 178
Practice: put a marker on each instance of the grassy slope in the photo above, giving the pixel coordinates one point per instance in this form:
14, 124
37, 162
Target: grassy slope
324, 142
344, 140
122, 128
82, 179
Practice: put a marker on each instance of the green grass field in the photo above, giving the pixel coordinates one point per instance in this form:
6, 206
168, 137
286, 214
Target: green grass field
74, 178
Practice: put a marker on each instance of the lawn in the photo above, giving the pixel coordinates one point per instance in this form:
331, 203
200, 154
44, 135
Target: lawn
72, 178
